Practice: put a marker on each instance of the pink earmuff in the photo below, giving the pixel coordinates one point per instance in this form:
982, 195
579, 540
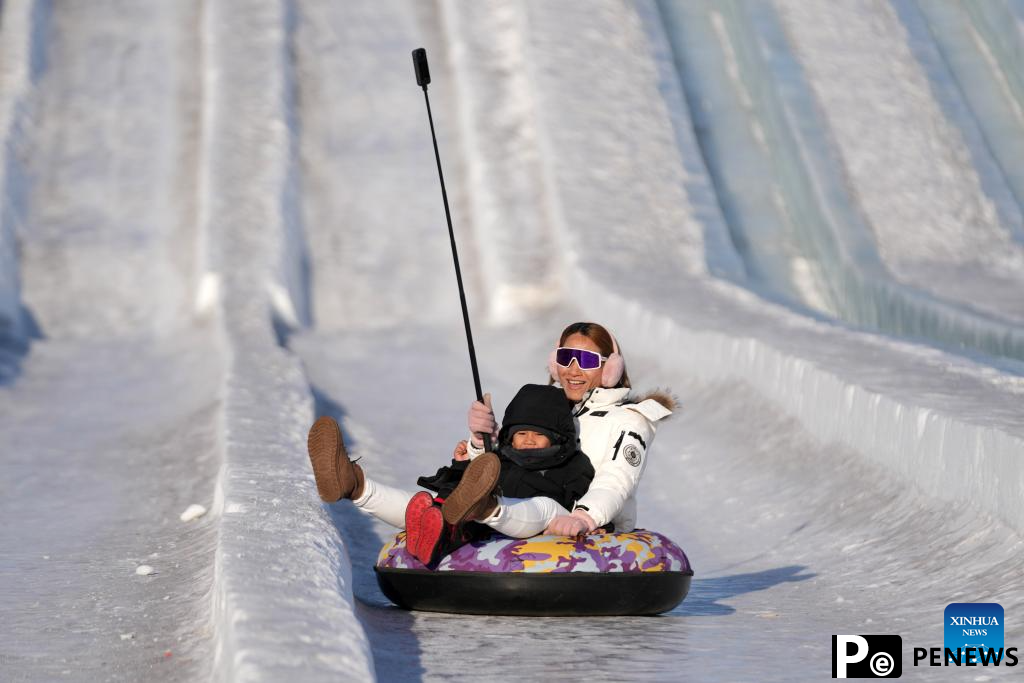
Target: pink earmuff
613, 368
611, 373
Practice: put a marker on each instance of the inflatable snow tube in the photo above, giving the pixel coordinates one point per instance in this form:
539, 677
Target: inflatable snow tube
635, 573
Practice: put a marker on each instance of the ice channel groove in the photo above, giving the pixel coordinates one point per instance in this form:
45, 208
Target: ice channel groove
826, 226
1000, 27
975, 42
508, 211
905, 160
705, 76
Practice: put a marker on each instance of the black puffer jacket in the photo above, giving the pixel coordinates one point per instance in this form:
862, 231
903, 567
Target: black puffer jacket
560, 472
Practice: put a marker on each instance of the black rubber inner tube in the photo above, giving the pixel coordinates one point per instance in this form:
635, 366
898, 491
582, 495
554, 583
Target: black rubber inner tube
535, 594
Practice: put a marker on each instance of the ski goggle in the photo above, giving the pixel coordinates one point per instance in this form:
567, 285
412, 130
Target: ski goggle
587, 360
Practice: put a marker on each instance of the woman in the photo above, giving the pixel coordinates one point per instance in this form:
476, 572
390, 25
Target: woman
615, 431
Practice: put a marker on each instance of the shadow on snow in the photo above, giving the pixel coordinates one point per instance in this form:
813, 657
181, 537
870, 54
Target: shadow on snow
705, 594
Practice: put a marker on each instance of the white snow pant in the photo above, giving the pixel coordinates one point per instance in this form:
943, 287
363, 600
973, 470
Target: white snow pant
384, 502
523, 517
515, 517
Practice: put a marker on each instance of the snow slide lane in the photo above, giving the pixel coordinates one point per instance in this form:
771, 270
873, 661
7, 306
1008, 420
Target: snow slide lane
104, 446
109, 428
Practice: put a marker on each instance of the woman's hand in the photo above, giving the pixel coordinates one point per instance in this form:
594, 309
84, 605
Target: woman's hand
576, 524
461, 451
481, 421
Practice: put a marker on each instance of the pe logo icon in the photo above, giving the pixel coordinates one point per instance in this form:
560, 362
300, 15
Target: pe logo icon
877, 656
977, 625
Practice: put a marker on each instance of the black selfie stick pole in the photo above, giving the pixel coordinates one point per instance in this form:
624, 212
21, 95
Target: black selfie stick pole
419, 60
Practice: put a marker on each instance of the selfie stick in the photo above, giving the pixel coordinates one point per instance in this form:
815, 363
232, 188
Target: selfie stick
419, 61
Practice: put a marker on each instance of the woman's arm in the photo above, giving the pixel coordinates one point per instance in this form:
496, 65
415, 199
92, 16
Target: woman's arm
619, 470
574, 524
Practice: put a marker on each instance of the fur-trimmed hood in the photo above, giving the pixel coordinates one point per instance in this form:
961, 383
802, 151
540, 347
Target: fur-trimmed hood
655, 405
665, 397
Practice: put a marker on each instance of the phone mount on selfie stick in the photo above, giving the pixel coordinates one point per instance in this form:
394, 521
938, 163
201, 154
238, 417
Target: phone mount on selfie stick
419, 60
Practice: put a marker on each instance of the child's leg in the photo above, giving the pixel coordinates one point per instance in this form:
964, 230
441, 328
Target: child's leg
524, 517
384, 502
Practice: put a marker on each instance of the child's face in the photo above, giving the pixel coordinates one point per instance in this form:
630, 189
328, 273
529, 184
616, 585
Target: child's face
525, 439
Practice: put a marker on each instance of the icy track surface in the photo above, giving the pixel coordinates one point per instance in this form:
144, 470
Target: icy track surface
222, 219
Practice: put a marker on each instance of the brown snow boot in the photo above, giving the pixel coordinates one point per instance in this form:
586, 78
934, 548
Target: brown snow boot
336, 476
475, 497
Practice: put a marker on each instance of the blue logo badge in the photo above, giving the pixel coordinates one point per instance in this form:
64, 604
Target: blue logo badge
977, 625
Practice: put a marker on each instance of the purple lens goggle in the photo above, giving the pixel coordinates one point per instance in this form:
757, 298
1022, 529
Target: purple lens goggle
587, 360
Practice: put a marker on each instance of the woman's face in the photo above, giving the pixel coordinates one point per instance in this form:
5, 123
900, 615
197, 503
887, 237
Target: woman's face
525, 440
576, 382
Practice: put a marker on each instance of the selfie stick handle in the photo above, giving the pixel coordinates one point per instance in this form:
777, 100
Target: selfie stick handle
419, 61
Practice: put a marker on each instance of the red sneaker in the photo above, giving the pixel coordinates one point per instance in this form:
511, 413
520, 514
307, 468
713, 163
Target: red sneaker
424, 528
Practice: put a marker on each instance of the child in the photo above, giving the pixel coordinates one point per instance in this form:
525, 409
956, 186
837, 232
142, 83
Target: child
537, 455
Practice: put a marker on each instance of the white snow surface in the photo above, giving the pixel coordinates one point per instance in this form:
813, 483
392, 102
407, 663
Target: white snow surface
222, 219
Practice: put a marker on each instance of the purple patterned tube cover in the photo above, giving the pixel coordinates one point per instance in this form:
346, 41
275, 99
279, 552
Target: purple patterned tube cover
633, 551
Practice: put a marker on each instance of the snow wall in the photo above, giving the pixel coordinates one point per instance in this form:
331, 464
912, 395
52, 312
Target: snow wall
283, 604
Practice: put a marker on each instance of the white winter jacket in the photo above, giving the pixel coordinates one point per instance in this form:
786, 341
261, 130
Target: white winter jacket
616, 434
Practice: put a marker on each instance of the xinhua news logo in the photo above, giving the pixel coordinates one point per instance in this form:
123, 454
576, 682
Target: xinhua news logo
972, 636
975, 628
876, 656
